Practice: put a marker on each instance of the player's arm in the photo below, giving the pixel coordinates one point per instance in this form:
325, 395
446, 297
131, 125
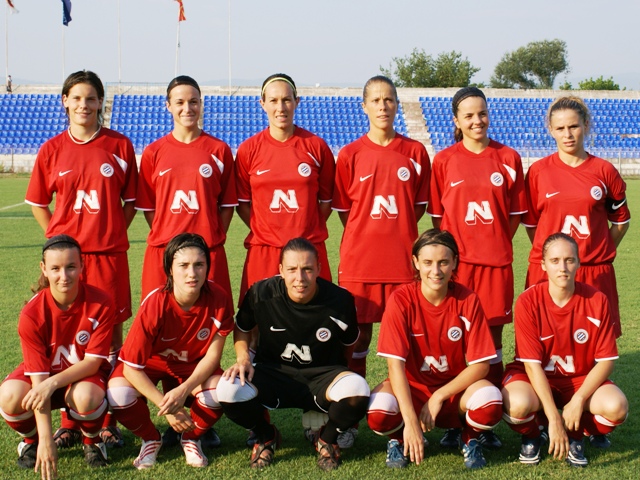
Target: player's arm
514, 223
47, 453
558, 441
618, 231
226, 214
418, 210
325, 209
129, 210
244, 212
141, 382
243, 367
572, 411
436, 221
531, 233
149, 215
344, 217
42, 216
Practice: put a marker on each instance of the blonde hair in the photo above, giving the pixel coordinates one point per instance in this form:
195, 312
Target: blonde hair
570, 102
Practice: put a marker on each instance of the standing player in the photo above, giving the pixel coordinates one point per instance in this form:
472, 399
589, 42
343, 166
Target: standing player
438, 347
177, 336
477, 194
65, 331
93, 172
583, 196
382, 184
187, 184
565, 349
285, 184
306, 326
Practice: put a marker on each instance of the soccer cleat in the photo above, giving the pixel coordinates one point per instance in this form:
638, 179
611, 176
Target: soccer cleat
328, 456
530, 450
599, 441
252, 439
576, 456
451, 438
27, 453
263, 453
112, 437
472, 452
193, 453
489, 439
148, 454
211, 439
95, 454
347, 438
395, 455
544, 434
67, 438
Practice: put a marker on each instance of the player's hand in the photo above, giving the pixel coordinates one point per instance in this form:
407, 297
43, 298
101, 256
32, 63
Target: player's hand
413, 442
243, 370
47, 459
429, 412
181, 421
38, 396
571, 414
558, 440
173, 401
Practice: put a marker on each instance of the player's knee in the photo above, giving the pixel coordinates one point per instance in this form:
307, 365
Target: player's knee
383, 415
484, 408
122, 397
516, 403
208, 398
82, 414
234, 392
11, 399
349, 385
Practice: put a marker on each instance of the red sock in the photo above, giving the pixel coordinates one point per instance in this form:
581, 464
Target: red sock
24, 424
204, 417
66, 422
529, 427
109, 420
137, 419
90, 422
596, 424
385, 423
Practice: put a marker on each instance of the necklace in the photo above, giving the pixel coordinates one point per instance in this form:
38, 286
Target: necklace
78, 142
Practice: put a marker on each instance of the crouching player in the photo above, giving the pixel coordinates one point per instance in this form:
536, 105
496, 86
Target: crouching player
306, 325
438, 348
178, 337
565, 349
65, 331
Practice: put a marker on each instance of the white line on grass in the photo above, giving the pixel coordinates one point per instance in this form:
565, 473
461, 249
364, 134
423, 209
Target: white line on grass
12, 206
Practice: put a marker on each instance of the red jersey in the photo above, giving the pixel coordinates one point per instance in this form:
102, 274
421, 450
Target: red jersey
284, 181
379, 187
90, 181
567, 340
53, 339
163, 329
577, 201
475, 194
435, 342
185, 184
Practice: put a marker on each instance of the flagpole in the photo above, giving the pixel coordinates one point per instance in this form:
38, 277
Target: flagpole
119, 48
6, 40
177, 49
229, 47
63, 54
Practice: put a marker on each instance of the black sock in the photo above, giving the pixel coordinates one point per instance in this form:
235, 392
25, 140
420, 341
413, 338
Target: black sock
343, 415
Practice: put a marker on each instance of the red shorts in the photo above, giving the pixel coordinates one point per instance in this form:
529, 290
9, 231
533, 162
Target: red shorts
263, 261
494, 287
153, 275
602, 277
110, 272
370, 299
173, 373
449, 416
57, 399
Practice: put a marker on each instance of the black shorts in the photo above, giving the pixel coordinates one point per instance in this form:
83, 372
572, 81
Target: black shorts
281, 386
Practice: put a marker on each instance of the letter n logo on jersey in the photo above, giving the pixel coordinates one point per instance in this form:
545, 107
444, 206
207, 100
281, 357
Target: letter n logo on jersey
291, 351
576, 228
287, 200
481, 212
384, 205
88, 200
566, 364
186, 201
64, 358
430, 362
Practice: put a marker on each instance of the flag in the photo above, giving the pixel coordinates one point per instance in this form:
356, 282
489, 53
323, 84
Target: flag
66, 12
11, 7
181, 17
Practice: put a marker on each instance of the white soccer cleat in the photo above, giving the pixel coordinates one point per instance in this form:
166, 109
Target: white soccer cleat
193, 453
148, 454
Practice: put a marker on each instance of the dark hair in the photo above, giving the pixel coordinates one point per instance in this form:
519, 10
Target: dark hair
84, 76
435, 236
570, 102
559, 236
177, 243
461, 95
57, 242
299, 244
182, 80
379, 79
282, 77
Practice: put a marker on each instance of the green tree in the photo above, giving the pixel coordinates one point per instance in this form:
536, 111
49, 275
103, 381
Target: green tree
536, 65
599, 84
418, 69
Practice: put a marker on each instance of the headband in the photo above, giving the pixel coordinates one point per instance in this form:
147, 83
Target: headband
60, 239
464, 93
280, 79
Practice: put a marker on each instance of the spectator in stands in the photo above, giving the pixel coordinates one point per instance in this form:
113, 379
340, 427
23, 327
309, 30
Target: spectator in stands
187, 184
438, 348
93, 172
477, 193
9, 84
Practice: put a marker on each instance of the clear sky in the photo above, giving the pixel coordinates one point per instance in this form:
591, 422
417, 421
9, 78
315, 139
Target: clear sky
329, 42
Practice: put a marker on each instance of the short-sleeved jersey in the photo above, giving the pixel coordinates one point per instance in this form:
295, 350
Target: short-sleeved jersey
577, 201
475, 195
435, 342
53, 339
185, 184
90, 181
162, 329
285, 181
379, 187
299, 335
566, 341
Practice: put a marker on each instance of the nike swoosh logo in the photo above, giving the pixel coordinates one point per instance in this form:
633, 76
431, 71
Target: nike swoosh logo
542, 339
274, 329
260, 172
616, 207
62, 174
343, 326
168, 339
453, 184
123, 309
507, 313
362, 179
549, 195
162, 172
